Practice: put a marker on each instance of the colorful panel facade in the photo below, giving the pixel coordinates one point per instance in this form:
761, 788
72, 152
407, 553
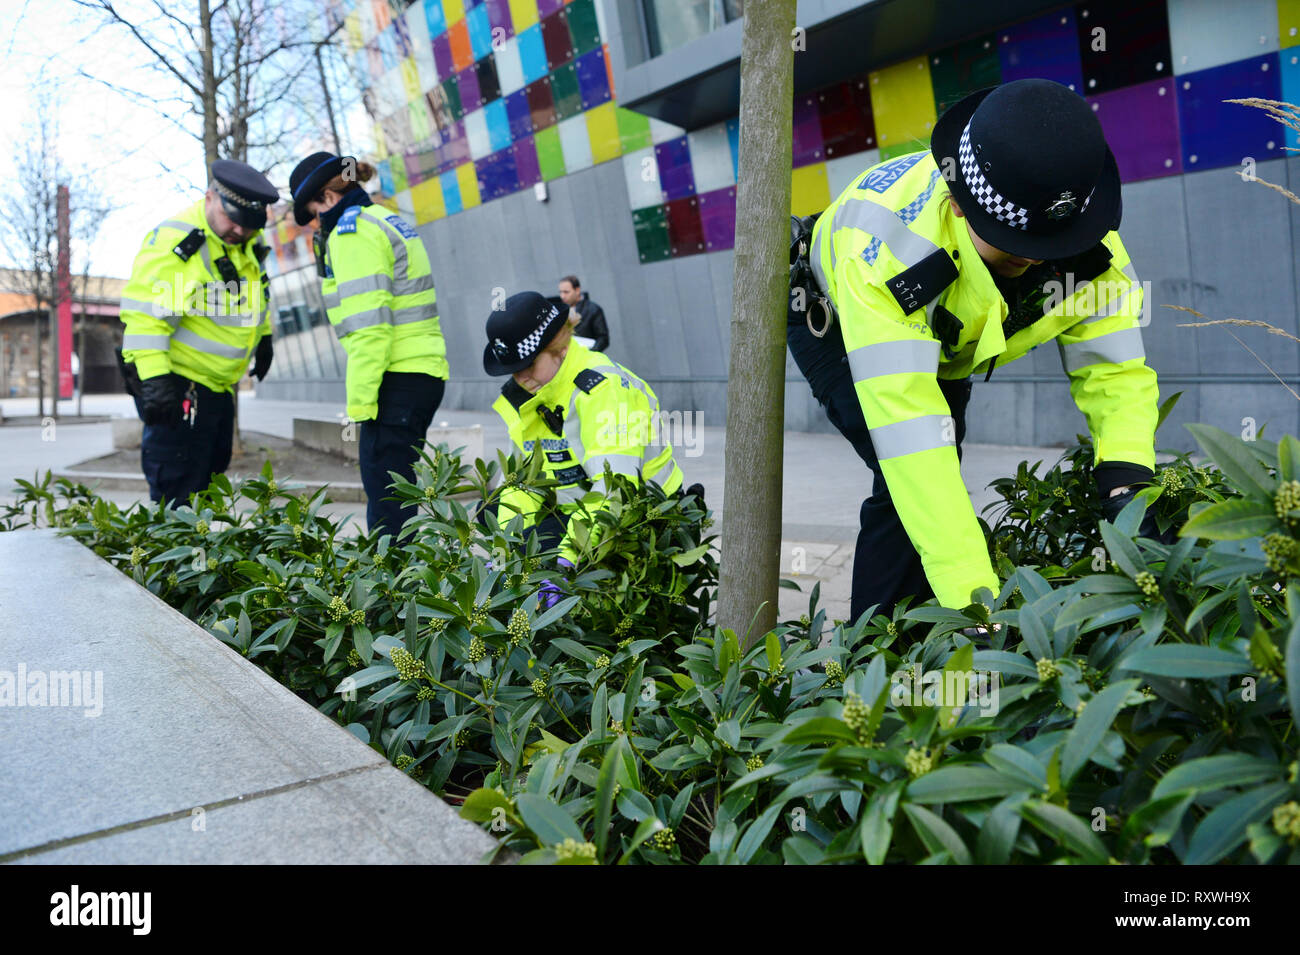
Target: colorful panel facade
477, 99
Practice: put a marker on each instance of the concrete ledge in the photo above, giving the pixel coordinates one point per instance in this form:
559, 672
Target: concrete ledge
195, 756
334, 436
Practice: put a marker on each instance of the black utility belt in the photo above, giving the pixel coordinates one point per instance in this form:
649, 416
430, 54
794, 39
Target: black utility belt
807, 299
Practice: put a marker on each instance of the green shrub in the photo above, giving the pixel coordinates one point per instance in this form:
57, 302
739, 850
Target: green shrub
1143, 714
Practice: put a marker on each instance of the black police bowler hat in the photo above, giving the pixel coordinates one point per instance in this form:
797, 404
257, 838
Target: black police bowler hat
310, 177
1028, 164
518, 332
244, 192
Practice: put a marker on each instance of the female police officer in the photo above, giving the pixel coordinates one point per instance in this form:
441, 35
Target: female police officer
584, 411
378, 288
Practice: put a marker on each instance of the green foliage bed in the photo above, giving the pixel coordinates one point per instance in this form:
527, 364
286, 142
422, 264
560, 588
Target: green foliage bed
1143, 714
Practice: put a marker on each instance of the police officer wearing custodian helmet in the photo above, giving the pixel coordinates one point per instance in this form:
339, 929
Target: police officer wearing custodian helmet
197, 309
377, 283
960, 259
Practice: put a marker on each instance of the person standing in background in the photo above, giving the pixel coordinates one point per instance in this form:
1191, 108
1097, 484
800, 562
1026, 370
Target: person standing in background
591, 317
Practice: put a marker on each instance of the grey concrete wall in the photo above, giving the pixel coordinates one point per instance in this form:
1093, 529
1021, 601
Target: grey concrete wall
1207, 240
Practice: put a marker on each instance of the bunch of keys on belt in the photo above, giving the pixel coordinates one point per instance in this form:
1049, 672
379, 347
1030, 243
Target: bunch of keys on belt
190, 406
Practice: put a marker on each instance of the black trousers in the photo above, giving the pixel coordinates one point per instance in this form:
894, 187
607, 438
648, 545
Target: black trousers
886, 567
180, 459
392, 442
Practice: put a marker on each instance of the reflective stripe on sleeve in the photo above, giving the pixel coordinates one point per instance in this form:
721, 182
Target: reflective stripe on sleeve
1115, 347
149, 308
815, 257
375, 316
909, 356
871, 217
378, 282
154, 342
414, 313
570, 494
197, 342
628, 464
665, 472
914, 435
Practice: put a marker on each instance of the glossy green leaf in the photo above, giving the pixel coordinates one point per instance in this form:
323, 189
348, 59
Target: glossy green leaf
1186, 660
550, 823
937, 834
1216, 772
1091, 726
1224, 829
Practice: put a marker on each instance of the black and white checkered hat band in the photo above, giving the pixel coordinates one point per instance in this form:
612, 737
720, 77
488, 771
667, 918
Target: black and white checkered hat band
992, 201
236, 198
529, 344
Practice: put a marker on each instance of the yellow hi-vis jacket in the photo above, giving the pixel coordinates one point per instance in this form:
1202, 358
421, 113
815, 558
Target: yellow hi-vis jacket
183, 315
916, 303
378, 290
599, 414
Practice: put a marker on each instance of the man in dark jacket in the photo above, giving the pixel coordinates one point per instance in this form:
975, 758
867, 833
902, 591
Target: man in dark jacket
591, 322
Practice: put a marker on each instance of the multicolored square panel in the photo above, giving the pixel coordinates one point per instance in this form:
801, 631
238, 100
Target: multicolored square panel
477, 99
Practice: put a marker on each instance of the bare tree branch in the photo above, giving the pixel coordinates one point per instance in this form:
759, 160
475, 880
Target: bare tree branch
108, 8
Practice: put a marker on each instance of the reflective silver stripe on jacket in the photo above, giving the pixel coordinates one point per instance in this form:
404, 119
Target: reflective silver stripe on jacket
384, 316
569, 494
152, 309
1115, 304
573, 431
414, 313
665, 472
909, 356
154, 342
187, 337
907, 246
628, 464
1116, 347
376, 316
397, 241
815, 255
916, 434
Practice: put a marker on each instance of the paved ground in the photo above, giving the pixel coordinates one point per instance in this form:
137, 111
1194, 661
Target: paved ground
824, 483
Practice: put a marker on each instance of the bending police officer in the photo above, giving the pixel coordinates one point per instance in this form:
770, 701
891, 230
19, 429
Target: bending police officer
957, 260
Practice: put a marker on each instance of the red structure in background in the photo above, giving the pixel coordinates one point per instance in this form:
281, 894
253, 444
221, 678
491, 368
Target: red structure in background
64, 347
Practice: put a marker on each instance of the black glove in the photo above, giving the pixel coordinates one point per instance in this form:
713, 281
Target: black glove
264, 355
1111, 506
160, 400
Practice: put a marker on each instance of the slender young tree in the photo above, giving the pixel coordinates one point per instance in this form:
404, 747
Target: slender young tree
751, 523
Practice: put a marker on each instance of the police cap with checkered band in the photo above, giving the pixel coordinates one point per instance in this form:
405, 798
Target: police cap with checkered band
519, 331
244, 192
1029, 166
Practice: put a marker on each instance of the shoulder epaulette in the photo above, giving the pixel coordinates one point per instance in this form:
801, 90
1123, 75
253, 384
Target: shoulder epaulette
587, 379
187, 246
261, 250
348, 221
402, 226
918, 286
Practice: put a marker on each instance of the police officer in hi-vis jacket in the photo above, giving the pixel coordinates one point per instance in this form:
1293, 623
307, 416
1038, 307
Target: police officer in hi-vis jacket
197, 310
957, 261
378, 288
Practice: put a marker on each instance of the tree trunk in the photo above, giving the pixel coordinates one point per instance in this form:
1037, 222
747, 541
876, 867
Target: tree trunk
209, 84
751, 525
